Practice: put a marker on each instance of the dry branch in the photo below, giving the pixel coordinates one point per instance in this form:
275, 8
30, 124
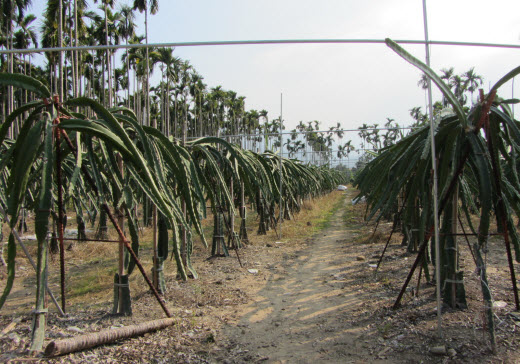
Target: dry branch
86, 341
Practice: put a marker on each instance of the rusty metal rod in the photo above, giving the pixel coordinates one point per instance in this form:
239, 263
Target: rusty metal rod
93, 240
467, 241
394, 226
386, 245
422, 249
137, 262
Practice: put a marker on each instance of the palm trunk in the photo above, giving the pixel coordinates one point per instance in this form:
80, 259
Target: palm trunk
127, 77
10, 59
168, 100
200, 116
60, 56
72, 58
103, 70
147, 71
75, 53
114, 81
86, 341
108, 63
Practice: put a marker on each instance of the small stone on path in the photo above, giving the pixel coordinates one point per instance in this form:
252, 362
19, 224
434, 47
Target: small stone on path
438, 350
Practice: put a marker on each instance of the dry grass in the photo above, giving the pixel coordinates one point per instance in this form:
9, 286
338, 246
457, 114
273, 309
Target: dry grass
90, 266
312, 218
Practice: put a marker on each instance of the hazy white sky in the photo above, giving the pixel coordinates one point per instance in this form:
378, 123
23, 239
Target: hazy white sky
351, 83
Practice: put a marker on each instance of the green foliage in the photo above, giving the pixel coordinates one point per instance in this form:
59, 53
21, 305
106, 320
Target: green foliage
484, 165
111, 159
446, 91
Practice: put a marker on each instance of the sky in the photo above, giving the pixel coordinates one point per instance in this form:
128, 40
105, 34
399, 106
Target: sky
348, 83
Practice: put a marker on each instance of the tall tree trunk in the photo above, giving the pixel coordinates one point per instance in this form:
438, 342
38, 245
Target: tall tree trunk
72, 58
10, 59
60, 54
147, 70
168, 100
114, 80
76, 61
200, 115
109, 73
127, 76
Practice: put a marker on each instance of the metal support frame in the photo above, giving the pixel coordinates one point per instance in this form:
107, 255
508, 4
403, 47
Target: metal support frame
262, 42
425, 42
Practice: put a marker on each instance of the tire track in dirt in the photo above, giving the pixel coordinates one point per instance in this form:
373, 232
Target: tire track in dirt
302, 314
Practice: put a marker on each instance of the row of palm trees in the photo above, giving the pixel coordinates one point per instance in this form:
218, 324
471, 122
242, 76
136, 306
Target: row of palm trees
374, 139
179, 97
178, 100
181, 94
309, 142
459, 84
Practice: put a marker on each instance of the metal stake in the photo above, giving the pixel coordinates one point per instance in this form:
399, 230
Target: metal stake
435, 180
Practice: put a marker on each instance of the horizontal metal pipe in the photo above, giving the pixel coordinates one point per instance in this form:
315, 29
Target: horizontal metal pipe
257, 42
471, 234
311, 131
93, 240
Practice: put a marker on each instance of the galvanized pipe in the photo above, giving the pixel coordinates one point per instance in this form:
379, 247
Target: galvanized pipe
260, 42
435, 180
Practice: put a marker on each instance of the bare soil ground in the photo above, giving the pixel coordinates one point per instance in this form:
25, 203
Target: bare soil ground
311, 300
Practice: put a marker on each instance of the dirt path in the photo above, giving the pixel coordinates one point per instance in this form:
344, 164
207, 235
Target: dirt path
310, 301
303, 312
